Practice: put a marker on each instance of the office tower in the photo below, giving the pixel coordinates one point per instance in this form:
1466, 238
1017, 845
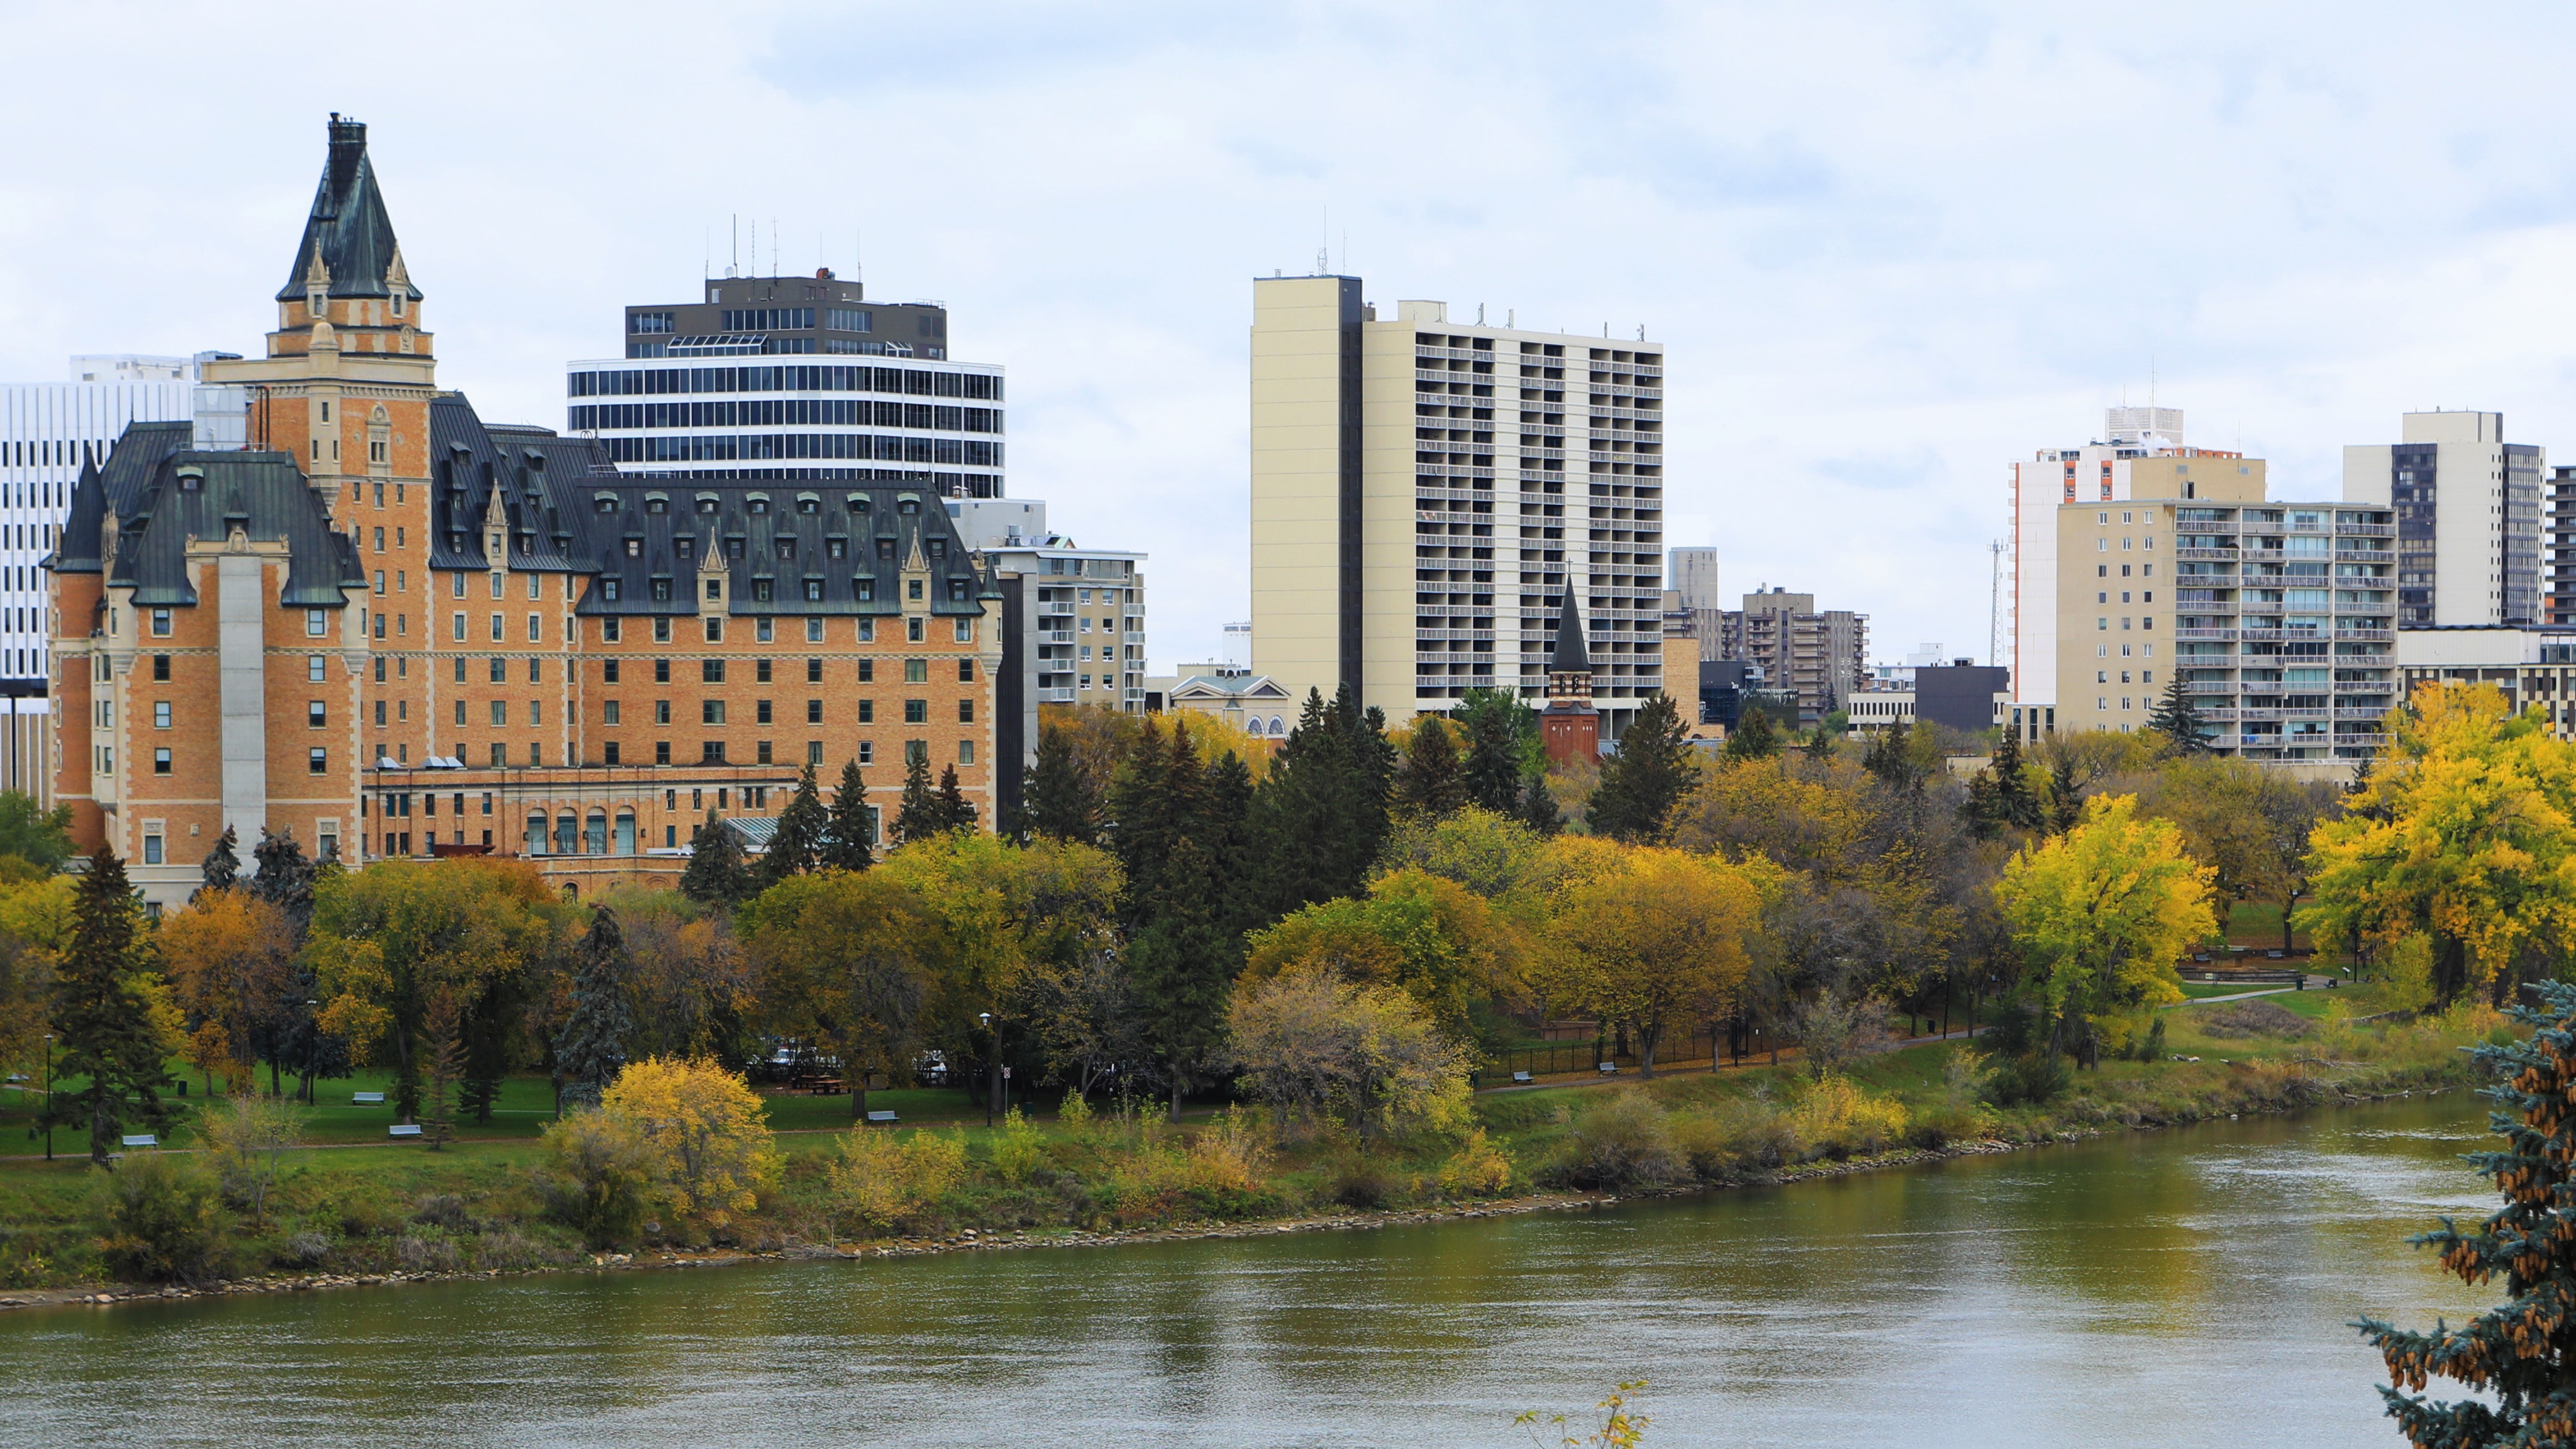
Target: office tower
1693, 576
704, 391
1817, 654
592, 663
2277, 616
1426, 491
2559, 603
2468, 518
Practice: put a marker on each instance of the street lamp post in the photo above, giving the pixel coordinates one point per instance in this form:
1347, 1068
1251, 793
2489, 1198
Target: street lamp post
993, 1044
49, 1096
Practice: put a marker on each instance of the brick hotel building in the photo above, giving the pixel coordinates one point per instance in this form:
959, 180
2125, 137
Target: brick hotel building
395, 629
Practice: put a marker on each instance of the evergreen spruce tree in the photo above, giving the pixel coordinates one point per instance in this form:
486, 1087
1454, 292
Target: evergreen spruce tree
222, 869
1754, 737
717, 874
2177, 717
2521, 1353
845, 842
591, 1049
1500, 734
1147, 819
1321, 812
1430, 783
1644, 780
284, 878
1062, 804
955, 811
797, 845
1819, 746
917, 818
1188, 905
1999, 796
101, 1018
442, 1064
1538, 808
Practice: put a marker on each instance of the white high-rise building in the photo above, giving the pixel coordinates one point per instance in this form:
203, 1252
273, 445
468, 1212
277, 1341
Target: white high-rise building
48, 430
1426, 489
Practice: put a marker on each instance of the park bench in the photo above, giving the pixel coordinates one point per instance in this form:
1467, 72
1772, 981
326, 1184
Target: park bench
403, 1129
881, 1119
1522, 1079
142, 1139
1609, 1069
366, 1099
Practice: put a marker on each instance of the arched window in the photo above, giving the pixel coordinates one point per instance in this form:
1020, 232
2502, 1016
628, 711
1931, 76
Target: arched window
567, 835
536, 832
625, 833
595, 834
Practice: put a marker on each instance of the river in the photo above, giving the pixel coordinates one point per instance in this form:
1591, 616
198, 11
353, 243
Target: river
2188, 1287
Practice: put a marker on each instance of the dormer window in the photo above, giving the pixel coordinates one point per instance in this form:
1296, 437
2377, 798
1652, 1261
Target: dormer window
908, 506
315, 301
656, 503
603, 503
608, 590
399, 300
757, 504
838, 547
787, 548
937, 547
661, 591
707, 503
808, 503
885, 548
867, 589
858, 503
684, 546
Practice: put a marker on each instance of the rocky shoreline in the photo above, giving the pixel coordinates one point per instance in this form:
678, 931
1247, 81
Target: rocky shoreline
1002, 1240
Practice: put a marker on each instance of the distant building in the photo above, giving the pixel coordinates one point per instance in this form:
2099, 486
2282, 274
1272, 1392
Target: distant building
1818, 654
1254, 703
1692, 592
2468, 507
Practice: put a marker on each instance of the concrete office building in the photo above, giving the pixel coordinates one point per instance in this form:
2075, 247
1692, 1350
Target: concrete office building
1427, 491
2099, 472
48, 430
1816, 654
713, 390
2468, 508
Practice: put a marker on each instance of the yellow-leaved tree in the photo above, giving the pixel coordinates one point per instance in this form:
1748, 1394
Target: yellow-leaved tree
1657, 943
2102, 912
2461, 832
704, 1141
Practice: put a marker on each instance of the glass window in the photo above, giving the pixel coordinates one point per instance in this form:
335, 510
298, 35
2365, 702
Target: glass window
318, 761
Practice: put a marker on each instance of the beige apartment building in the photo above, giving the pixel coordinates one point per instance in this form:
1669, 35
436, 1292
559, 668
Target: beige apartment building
2278, 617
1426, 490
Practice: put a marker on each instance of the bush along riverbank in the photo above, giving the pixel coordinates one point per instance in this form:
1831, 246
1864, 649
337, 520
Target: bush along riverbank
679, 1163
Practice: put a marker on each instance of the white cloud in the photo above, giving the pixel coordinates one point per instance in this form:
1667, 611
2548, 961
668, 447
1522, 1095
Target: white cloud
1889, 247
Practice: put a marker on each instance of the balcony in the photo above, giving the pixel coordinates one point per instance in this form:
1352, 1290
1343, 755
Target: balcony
2364, 555
2212, 634
2382, 635
1055, 696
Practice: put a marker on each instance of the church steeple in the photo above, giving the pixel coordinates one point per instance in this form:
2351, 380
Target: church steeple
1569, 665
1570, 728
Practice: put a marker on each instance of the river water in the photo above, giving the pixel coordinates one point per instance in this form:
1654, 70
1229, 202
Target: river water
2174, 1288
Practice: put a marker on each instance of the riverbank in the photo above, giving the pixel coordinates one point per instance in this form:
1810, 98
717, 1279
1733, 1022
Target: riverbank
381, 1217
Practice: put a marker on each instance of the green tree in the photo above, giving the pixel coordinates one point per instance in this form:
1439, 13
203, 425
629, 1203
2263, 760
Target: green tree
2000, 796
1430, 783
955, 813
1063, 802
2102, 912
284, 878
717, 873
1321, 812
1539, 810
797, 845
847, 835
1903, 758
1643, 783
1754, 737
222, 867
2521, 1354
919, 817
2177, 717
1181, 844
1502, 748
847, 962
592, 1048
113, 1025
42, 837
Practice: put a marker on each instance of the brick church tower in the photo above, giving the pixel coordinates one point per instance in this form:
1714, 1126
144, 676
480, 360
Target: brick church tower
1570, 728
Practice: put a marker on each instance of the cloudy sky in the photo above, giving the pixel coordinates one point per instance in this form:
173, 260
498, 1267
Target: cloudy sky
1889, 248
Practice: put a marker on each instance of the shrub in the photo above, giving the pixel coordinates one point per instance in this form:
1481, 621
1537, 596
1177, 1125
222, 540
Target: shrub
1839, 1119
1361, 1182
2013, 1030
1477, 1169
1019, 1151
704, 1138
885, 1181
2032, 1079
306, 1249
1740, 1137
442, 1210
601, 1177
2148, 1045
243, 1138
2238, 1020
1231, 1156
1623, 1142
427, 1255
165, 1220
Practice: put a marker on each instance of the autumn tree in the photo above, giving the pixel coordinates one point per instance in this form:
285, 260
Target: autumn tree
1431, 938
2520, 1356
390, 939
1313, 1044
1657, 943
706, 1149
229, 958
111, 1016
1646, 780
2464, 831
2101, 914
692, 990
847, 961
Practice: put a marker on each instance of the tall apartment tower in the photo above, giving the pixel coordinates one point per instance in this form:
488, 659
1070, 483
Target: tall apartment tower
1819, 654
2099, 472
795, 379
2468, 508
1426, 491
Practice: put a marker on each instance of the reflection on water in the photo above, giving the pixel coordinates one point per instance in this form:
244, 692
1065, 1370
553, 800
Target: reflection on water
2180, 1288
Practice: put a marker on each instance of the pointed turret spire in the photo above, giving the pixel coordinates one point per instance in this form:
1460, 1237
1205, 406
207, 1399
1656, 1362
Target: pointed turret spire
1570, 656
348, 237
